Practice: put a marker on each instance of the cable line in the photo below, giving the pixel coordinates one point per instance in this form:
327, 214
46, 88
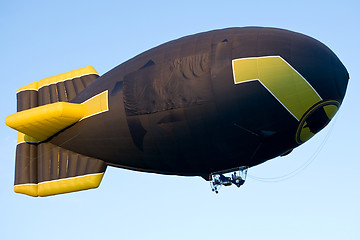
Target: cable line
302, 167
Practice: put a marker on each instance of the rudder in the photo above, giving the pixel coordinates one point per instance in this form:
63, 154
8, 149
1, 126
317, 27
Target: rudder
43, 169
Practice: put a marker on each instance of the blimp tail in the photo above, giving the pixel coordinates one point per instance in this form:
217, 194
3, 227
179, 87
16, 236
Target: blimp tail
42, 168
45, 169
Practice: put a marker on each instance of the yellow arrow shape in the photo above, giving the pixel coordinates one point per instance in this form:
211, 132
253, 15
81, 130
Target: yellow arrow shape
280, 79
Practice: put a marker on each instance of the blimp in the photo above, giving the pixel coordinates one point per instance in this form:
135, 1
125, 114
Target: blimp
204, 105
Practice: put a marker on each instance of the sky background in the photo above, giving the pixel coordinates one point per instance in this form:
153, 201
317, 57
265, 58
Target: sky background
44, 38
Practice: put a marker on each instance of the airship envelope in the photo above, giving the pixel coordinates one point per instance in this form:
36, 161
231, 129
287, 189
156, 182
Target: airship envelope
202, 104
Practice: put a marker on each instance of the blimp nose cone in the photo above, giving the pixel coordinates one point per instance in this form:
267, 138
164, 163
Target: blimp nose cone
320, 67
323, 70
300, 72
341, 78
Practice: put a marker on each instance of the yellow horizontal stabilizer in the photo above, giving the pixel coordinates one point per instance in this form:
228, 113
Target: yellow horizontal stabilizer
44, 121
60, 186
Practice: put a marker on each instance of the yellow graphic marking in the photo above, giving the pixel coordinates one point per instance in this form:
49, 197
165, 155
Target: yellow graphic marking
96, 105
280, 79
331, 110
59, 186
42, 122
304, 132
59, 78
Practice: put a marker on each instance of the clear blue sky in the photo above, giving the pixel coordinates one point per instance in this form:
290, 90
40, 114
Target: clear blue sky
45, 38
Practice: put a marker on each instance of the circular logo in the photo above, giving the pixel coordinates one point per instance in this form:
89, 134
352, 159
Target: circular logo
315, 119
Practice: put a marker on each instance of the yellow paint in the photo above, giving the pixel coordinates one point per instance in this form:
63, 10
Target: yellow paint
40, 123
69, 184
284, 82
28, 189
59, 186
96, 105
29, 139
303, 132
21, 137
25, 138
59, 78
330, 110
44, 121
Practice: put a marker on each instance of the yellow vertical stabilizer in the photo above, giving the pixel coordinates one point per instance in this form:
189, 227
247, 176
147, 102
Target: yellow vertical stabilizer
74, 172
59, 78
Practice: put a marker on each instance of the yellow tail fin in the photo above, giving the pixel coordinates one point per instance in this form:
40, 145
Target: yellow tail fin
43, 169
44, 121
